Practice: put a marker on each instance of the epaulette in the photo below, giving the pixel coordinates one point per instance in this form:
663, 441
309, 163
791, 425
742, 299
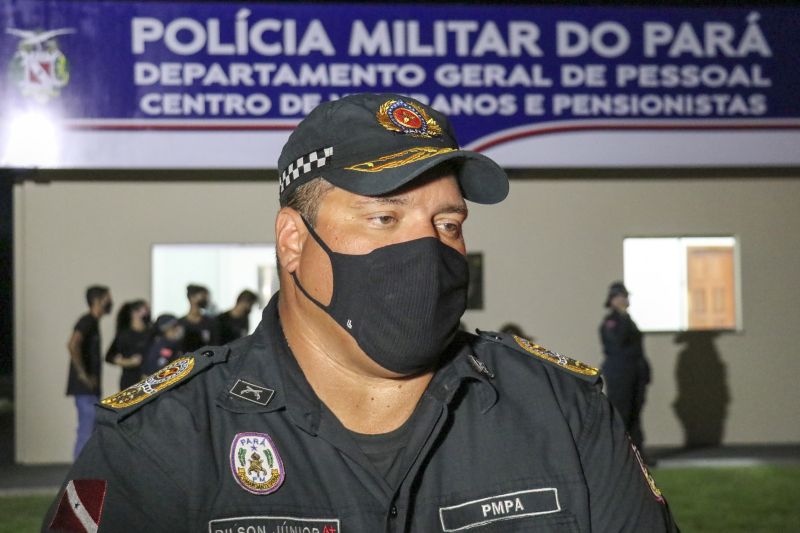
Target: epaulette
180, 370
573, 366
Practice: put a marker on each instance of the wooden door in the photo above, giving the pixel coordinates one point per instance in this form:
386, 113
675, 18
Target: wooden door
711, 286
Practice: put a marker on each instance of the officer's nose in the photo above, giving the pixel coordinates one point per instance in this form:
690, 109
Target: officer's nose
425, 229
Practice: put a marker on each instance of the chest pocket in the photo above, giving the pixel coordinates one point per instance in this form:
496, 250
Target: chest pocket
538, 509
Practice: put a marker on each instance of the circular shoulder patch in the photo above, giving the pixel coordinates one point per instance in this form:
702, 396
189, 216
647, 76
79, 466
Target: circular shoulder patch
162, 379
554, 357
255, 463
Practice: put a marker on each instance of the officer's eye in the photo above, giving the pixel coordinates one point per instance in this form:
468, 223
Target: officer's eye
383, 220
451, 229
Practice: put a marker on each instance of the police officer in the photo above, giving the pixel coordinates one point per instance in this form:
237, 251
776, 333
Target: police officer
357, 405
625, 370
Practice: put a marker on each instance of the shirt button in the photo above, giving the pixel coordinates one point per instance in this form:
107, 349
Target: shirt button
393, 512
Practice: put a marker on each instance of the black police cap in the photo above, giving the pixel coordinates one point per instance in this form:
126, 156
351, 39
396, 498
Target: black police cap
373, 144
615, 289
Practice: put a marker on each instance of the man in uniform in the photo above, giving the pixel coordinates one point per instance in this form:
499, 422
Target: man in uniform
357, 405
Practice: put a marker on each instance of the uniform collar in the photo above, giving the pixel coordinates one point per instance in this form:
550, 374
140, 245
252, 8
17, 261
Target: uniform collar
255, 362
269, 363
461, 366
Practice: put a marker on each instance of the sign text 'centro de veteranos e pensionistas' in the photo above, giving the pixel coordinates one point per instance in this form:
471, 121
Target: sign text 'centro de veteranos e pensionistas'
500, 72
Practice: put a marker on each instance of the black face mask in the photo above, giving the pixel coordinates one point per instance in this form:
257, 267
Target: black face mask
108, 306
401, 303
202, 304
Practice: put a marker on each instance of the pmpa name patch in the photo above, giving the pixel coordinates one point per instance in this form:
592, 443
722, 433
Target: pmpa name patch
511, 506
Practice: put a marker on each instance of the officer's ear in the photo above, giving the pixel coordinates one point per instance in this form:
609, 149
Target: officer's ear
290, 236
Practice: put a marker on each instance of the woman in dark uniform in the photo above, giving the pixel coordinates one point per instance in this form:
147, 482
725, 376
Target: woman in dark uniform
131, 342
626, 371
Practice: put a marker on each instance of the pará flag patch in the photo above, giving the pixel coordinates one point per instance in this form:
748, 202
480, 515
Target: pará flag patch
81, 506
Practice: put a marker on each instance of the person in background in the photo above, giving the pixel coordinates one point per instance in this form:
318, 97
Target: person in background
625, 370
235, 323
197, 325
132, 341
511, 328
84, 369
167, 344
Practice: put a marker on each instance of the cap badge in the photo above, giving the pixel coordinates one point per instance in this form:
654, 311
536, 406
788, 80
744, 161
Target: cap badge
255, 463
403, 117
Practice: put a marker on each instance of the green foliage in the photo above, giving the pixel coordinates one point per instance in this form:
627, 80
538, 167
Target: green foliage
20, 514
732, 500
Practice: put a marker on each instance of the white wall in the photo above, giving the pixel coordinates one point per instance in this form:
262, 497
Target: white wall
69, 235
224, 269
549, 253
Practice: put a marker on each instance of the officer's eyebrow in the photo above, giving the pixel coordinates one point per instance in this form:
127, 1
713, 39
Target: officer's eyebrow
459, 209
382, 200
456, 208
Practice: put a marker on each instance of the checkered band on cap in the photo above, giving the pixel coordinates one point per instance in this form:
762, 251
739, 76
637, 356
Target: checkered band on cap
315, 160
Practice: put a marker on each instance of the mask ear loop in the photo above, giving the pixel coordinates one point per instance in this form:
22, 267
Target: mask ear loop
317, 238
327, 251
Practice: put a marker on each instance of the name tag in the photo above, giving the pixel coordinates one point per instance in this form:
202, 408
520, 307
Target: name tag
274, 524
509, 506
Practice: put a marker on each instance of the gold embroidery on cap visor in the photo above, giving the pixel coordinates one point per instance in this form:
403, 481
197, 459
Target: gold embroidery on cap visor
404, 117
162, 379
557, 358
412, 155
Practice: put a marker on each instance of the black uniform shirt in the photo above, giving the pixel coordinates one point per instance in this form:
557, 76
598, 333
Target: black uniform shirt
521, 445
89, 328
129, 342
196, 334
622, 346
385, 450
621, 337
228, 328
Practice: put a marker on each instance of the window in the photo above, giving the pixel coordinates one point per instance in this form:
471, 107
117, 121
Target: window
683, 283
226, 269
